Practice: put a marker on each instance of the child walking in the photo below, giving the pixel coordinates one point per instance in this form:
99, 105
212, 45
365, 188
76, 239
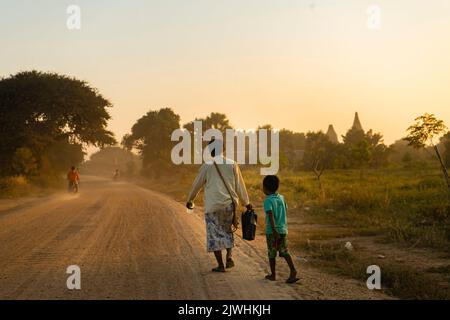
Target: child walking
276, 227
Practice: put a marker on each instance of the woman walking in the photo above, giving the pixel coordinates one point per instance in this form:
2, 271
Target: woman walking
224, 187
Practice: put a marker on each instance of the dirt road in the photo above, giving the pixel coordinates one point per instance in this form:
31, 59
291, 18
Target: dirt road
132, 243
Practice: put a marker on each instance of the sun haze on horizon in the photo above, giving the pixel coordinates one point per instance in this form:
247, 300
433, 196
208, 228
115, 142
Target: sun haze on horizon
300, 65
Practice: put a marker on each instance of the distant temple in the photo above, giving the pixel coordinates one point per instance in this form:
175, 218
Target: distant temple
332, 135
356, 123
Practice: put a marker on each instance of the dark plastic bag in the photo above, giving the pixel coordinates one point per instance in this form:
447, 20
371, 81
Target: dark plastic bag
249, 219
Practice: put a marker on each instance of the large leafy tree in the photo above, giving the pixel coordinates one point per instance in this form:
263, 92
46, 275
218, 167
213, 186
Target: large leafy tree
150, 135
215, 120
425, 133
42, 111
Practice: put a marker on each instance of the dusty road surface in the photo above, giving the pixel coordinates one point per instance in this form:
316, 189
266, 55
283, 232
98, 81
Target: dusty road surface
132, 243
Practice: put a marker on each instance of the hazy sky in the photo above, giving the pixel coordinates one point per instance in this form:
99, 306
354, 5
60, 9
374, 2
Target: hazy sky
293, 64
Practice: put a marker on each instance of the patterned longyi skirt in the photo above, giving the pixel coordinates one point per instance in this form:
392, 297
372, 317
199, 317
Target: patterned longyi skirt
218, 229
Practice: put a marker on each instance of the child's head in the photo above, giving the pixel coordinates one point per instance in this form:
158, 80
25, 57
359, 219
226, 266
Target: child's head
270, 184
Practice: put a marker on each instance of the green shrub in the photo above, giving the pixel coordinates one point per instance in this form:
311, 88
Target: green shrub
15, 186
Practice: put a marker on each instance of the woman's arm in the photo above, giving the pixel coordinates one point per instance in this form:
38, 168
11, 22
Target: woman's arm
197, 184
241, 190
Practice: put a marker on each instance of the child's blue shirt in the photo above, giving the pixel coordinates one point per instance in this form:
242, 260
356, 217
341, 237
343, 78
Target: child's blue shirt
275, 202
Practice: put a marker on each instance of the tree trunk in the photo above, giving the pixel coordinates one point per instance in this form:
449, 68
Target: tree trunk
318, 174
444, 169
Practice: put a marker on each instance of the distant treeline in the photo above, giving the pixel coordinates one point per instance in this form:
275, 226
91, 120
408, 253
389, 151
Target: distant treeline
150, 136
46, 121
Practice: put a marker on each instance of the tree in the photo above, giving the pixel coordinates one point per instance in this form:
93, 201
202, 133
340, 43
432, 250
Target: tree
24, 163
445, 141
378, 150
319, 154
150, 135
217, 121
364, 149
401, 153
407, 158
106, 161
40, 110
357, 152
424, 133
214, 121
291, 143
61, 155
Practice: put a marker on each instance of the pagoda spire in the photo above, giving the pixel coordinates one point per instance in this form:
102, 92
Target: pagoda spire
331, 134
356, 123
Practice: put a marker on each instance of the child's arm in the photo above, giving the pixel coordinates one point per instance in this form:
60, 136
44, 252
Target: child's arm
272, 224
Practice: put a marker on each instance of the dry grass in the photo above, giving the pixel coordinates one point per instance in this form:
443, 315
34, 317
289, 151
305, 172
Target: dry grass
398, 206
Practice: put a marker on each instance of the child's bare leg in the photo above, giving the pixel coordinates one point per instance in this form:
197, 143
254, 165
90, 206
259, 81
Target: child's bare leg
290, 263
273, 275
293, 275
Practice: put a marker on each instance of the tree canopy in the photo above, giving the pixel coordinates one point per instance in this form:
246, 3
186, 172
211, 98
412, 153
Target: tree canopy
215, 120
41, 112
425, 130
424, 133
150, 135
362, 149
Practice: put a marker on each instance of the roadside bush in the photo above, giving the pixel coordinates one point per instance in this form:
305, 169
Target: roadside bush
14, 186
24, 162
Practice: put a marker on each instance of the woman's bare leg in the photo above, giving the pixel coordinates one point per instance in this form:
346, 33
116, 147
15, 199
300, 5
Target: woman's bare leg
221, 267
230, 262
229, 253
